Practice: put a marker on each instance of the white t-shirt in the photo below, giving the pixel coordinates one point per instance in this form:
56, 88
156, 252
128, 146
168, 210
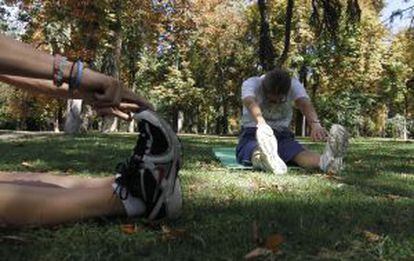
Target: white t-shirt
276, 115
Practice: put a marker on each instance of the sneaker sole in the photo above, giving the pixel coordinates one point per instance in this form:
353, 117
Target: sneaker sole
338, 140
168, 184
268, 145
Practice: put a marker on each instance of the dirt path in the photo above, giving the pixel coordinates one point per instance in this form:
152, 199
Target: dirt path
21, 135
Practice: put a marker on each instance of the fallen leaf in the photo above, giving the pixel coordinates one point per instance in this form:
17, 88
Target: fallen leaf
27, 164
273, 242
130, 229
371, 237
171, 234
393, 197
256, 253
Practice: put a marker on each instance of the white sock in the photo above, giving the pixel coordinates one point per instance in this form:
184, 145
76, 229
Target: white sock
133, 206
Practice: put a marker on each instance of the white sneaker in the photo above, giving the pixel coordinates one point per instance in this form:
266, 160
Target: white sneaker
270, 160
332, 159
151, 173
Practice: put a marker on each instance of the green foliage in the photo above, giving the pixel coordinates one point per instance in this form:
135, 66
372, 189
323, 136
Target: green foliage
192, 56
347, 108
178, 90
398, 125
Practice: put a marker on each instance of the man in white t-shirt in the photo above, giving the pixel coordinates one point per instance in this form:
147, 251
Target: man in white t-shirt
265, 140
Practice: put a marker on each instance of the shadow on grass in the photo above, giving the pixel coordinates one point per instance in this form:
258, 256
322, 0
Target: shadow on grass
75, 154
224, 232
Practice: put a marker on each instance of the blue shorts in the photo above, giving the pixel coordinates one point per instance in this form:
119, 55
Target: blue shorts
288, 147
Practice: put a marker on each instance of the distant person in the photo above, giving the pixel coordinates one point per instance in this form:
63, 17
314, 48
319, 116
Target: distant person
266, 141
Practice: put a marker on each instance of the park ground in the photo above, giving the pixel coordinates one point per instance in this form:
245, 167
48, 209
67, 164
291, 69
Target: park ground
367, 213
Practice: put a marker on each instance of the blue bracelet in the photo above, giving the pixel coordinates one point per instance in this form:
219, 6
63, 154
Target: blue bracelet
79, 74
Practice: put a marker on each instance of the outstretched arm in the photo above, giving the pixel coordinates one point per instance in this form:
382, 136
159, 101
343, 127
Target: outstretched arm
41, 86
19, 59
305, 106
254, 109
130, 102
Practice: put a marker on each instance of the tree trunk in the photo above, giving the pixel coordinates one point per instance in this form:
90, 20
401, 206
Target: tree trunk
56, 125
300, 119
266, 50
73, 121
288, 25
225, 118
87, 118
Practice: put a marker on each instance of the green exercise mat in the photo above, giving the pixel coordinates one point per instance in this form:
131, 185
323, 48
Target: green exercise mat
227, 157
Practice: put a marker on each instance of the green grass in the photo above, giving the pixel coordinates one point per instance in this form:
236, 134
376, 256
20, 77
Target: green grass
319, 217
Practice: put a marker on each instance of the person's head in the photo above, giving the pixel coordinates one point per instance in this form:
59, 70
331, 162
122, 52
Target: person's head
276, 86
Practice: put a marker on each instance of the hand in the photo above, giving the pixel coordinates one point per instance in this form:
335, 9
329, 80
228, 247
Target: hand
264, 128
110, 93
123, 111
100, 89
128, 96
130, 103
318, 133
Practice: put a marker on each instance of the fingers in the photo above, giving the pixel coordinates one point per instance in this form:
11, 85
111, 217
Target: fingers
110, 111
129, 96
318, 135
129, 107
123, 106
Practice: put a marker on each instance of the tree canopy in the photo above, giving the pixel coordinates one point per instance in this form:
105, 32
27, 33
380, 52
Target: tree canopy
191, 57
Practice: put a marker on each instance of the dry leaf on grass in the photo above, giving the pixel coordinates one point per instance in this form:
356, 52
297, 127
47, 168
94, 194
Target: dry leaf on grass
393, 197
27, 164
273, 242
256, 253
130, 229
170, 233
371, 237
173, 234
268, 247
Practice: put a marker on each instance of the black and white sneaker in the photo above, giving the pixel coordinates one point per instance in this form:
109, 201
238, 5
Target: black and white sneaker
150, 175
331, 160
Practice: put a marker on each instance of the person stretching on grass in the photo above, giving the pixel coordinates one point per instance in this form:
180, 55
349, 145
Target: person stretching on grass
145, 185
265, 141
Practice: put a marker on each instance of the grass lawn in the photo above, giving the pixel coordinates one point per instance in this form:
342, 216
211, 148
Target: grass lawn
366, 213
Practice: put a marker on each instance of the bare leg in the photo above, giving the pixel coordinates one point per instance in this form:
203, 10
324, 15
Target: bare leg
59, 180
307, 159
22, 205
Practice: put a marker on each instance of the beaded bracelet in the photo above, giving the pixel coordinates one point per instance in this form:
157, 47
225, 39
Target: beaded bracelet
75, 80
58, 67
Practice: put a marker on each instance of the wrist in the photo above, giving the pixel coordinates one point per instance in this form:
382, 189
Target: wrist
260, 120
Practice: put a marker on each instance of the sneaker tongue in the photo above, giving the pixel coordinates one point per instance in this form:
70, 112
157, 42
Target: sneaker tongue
151, 140
160, 142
